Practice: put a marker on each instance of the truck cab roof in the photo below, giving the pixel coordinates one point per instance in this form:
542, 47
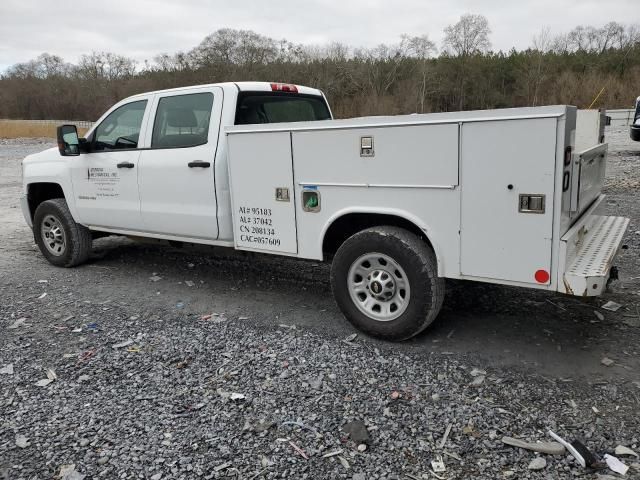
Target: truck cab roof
241, 87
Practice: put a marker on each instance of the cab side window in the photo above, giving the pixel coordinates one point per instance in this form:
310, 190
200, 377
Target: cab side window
182, 121
121, 128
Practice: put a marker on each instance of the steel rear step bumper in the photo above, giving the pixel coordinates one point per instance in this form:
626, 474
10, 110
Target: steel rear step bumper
588, 250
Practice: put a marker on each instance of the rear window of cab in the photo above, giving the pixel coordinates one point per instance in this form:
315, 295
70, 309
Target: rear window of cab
279, 107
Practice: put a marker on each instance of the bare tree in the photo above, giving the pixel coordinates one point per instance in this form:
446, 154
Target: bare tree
469, 36
422, 49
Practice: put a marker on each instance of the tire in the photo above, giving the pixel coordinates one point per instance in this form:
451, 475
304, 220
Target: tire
358, 288
62, 241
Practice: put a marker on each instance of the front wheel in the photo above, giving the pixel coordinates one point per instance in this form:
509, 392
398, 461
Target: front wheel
62, 241
385, 281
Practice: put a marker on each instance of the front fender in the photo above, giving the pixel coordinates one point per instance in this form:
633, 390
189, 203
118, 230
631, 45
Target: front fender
49, 167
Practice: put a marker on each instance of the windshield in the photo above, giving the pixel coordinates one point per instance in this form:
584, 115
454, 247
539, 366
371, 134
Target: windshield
276, 107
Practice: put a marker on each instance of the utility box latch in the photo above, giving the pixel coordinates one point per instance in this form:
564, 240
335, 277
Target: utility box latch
531, 203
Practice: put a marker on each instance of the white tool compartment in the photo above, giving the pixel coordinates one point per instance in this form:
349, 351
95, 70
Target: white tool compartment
502, 196
261, 175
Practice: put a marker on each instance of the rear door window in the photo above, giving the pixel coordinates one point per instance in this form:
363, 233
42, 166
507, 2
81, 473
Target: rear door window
262, 107
182, 121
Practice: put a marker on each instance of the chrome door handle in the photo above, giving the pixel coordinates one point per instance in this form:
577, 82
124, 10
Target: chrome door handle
199, 163
126, 165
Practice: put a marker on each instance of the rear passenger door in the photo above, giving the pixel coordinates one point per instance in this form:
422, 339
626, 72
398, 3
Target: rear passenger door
176, 178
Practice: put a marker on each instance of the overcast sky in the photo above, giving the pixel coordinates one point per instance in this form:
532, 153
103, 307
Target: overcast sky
143, 28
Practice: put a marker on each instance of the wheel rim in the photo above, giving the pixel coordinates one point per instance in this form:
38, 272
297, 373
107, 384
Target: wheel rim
379, 287
53, 236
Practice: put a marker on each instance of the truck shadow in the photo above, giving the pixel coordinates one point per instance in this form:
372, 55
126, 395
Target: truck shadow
551, 334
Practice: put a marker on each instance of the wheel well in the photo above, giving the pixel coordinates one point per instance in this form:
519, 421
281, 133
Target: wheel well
352, 223
39, 192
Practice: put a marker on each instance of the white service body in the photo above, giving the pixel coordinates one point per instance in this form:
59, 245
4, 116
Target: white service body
460, 177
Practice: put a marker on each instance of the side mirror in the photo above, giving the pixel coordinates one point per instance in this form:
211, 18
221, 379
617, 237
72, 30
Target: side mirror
68, 141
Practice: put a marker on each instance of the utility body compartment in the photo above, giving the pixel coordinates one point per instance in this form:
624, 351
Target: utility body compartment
501, 195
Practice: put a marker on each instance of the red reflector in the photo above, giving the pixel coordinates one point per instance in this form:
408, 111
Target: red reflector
542, 276
284, 87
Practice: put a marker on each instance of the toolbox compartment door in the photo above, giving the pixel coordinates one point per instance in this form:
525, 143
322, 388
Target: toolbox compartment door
262, 193
502, 162
588, 175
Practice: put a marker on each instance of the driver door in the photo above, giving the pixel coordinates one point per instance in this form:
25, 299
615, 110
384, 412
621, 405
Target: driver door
105, 180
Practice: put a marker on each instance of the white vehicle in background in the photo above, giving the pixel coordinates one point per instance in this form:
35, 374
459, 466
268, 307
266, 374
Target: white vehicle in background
634, 130
397, 203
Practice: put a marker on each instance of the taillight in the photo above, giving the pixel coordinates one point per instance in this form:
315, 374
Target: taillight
284, 87
567, 155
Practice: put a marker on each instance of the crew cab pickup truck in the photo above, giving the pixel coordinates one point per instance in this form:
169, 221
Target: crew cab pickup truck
397, 204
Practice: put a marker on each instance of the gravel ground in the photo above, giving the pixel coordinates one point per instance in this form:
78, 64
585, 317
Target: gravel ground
165, 363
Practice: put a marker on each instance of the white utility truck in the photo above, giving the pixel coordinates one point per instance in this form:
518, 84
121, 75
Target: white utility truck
397, 203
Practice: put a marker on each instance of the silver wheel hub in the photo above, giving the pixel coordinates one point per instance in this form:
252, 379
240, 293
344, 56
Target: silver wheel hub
379, 286
53, 236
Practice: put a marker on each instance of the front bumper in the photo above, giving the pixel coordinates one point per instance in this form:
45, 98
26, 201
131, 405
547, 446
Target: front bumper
24, 204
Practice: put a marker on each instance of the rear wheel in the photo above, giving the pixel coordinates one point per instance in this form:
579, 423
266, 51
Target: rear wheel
385, 281
61, 240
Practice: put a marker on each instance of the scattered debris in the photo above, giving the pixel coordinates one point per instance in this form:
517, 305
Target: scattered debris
21, 322
477, 372
622, 450
607, 362
189, 283
349, 340
332, 454
438, 465
611, 306
357, 432
581, 453
222, 466
537, 463
445, 436
155, 278
51, 377
362, 447
21, 441
598, 315
615, 464
7, 369
42, 296
477, 381
69, 472
395, 395
571, 403
124, 344
344, 462
551, 448
230, 395
298, 450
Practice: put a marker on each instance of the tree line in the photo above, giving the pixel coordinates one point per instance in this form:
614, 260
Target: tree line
410, 76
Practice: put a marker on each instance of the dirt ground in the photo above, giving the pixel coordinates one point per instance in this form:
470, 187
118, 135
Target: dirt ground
554, 338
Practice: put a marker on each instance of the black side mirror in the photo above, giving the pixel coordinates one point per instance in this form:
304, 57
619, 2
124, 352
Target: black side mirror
68, 141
